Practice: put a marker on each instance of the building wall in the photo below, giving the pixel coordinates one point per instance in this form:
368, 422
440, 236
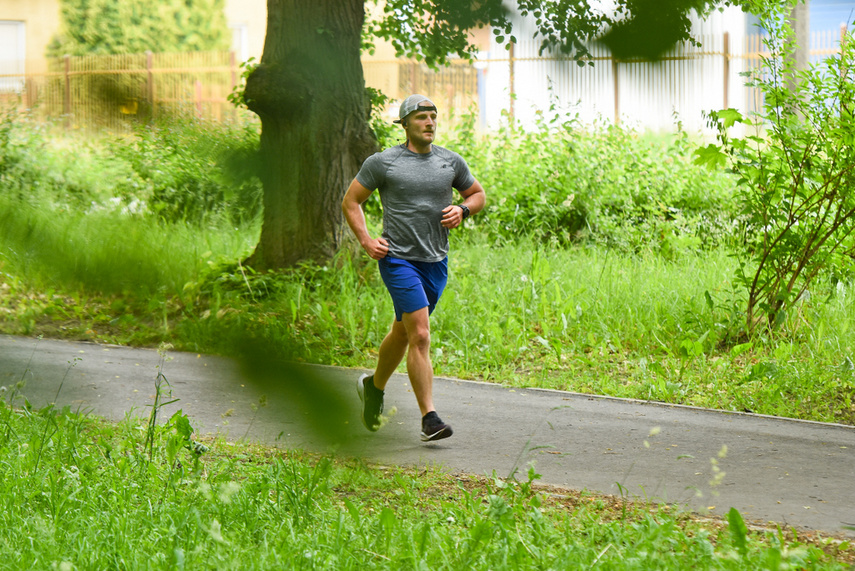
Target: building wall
251, 17
631, 93
41, 21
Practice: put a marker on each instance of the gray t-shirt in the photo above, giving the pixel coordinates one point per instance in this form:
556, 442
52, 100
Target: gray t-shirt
414, 188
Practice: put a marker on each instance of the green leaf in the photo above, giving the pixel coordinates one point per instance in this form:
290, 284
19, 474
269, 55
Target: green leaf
692, 349
710, 156
351, 509
387, 521
729, 117
741, 348
738, 531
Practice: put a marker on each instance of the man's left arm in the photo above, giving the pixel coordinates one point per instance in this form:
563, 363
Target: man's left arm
474, 198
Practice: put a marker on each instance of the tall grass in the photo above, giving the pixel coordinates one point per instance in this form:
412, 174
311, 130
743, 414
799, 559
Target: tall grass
502, 304
85, 258
565, 302
111, 252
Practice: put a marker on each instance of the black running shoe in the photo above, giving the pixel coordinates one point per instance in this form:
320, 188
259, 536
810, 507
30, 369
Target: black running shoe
372, 402
433, 428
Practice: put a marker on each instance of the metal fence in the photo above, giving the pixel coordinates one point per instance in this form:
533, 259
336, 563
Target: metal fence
687, 82
111, 92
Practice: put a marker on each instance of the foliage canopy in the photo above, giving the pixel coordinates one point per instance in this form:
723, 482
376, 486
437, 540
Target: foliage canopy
433, 29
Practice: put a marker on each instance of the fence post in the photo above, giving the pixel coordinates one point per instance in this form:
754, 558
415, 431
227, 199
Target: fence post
66, 101
617, 89
726, 67
511, 80
233, 65
198, 99
149, 63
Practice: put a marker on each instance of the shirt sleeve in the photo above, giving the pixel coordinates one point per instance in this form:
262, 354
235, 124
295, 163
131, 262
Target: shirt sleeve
463, 178
372, 173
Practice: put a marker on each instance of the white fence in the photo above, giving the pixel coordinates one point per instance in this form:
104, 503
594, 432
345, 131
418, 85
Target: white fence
686, 83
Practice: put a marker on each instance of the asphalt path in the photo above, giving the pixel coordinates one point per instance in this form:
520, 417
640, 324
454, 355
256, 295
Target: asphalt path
773, 470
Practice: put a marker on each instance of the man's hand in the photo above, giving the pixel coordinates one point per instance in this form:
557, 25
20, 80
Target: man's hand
377, 248
351, 205
452, 216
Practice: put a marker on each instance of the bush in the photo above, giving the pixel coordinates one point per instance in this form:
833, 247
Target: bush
795, 170
606, 184
189, 171
60, 172
557, 183
192, 170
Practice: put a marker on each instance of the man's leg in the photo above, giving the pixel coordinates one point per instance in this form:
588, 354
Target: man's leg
420, 371
410, 337
392, 351
419, 367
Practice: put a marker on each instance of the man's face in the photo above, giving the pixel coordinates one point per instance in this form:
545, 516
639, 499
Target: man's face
421, 125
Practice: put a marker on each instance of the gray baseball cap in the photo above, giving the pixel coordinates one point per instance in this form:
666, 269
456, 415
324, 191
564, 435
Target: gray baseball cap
414, 103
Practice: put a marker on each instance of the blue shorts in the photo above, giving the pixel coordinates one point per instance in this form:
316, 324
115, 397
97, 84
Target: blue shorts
413, 285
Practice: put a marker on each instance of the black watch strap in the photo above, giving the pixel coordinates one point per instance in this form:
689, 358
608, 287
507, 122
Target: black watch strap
465, 210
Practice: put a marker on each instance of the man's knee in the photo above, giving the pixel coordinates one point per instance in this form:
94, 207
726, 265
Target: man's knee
419, 337
418, 329
400, 334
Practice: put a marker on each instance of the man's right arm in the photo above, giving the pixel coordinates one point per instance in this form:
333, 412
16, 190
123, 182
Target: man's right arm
351, 205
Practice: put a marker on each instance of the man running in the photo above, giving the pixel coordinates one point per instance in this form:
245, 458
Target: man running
415, 181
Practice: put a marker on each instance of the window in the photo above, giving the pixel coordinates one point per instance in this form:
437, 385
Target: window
12, 56
240, 41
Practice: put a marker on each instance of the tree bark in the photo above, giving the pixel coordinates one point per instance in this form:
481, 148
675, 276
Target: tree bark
309, 92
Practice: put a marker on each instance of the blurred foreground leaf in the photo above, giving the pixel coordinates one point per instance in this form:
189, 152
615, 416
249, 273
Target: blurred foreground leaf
313, 400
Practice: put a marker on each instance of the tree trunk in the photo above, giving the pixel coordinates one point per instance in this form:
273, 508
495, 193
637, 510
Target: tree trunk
309, 92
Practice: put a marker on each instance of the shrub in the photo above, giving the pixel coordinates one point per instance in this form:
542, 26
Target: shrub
191, 170
61, 172
179, 171
605, 184
796, 169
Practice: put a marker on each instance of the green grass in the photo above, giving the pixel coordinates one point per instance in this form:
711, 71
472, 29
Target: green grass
585, 320
107, 251
82, 493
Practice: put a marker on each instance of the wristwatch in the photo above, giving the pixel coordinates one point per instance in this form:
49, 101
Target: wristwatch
465, 210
